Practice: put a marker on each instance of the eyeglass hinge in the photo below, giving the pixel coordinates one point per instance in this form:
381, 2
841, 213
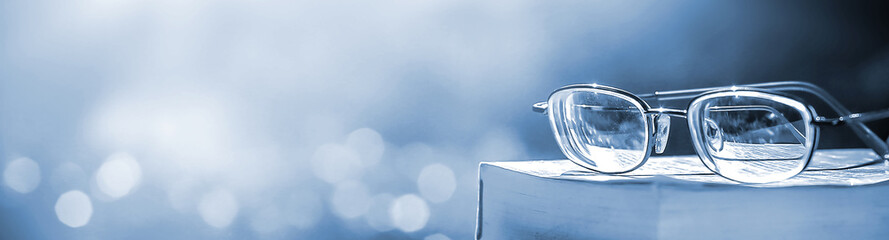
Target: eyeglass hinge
540, 107
823, 121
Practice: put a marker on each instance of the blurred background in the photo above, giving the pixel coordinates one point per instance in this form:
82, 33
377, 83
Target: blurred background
272, 119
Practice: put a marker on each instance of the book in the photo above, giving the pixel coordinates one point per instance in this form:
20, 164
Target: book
842, 194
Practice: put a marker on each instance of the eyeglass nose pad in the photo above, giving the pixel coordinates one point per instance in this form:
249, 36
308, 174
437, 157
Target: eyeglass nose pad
662, 133
714, 135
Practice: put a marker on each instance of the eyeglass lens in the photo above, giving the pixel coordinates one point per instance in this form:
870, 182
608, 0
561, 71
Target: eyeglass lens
608, 130
753, 138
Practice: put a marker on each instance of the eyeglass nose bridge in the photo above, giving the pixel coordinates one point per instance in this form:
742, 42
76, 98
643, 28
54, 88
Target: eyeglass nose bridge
672, 112
661, 119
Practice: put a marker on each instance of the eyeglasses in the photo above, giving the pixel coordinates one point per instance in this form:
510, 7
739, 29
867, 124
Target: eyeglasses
751, 133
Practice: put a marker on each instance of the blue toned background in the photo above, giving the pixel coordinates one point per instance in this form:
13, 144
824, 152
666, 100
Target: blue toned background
184, 119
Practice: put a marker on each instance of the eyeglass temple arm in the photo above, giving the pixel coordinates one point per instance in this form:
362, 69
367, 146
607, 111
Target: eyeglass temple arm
854, 121
860, 117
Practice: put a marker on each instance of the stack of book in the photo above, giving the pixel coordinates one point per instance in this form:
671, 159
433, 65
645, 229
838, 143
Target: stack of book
842, 195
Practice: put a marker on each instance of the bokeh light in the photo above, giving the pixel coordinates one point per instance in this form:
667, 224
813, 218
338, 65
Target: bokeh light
437, 183
368, 144
409, 213
74, 209
22, 175
118, 175
218, 208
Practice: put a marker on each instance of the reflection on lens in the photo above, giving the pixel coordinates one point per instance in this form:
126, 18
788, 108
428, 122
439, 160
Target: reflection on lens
754, 132
752, 136
605, 131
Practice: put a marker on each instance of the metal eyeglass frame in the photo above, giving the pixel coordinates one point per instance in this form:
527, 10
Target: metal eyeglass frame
778, 89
